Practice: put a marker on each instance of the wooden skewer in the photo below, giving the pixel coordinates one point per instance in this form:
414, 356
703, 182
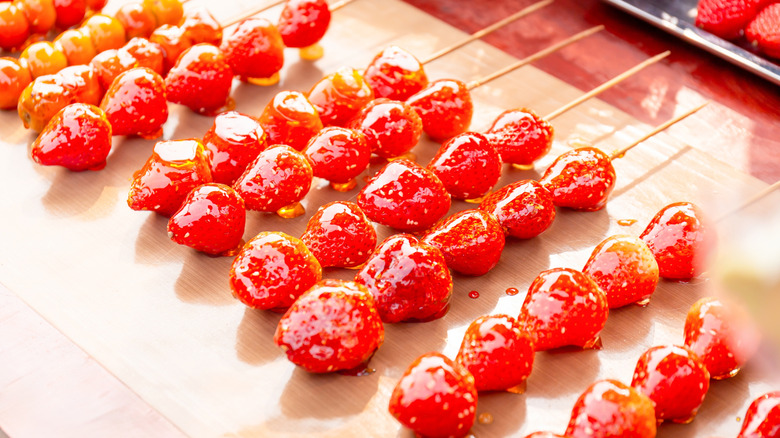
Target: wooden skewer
752, 200
536, 56
264, 8
490, 29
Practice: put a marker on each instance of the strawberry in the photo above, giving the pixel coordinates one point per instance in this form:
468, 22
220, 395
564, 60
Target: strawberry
173, 41
524, 208
77, 138
135, 104
175, 168
395, 74
272, 270
339, 96
392, 128
521, 136
497, 352
303, 22
201, 27
254, 50
609, 408
722, 335
764, 30
564, 307
625, 269
435, 397
338, 155
201, 80
334, 326
445, 108
545, 435
289, 118
580, 179
726, 18
278, 178
47, 95
468, 165
762, 419
232, 143
340, 235
471, 241
404, 196
409, 280
675, 379
681, 240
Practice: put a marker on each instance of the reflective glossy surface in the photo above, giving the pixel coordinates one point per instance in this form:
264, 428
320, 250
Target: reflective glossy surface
395, 74
609, 408
173, 41
524, 208
521, 136
40, 14
254, 49
106, 32
201, 27
762, 419
392, 128
338, 155
77, 138
13, 79
278, 177
76, 45
137, 20
471, 241
135, 104
340, 235
69, 12
42, 58
581, 179
468, 166
48, 94
14, 27
232, 143
289, 118
201, 80
445, 107
165, 11
303, 22
339, 96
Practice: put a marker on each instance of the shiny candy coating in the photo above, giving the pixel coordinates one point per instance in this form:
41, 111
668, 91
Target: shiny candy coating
303, 22
395, 74
339, 96
106, 32
146, 54
110, 64
13, 79
165, 11
340, 235
338, 155
41, 15
14, 27
137, 20
762, 419
524, 208
46, 95
468, 165
255, 49
445, 108
545, 435
278, 177
232, 143
135, 104
69, 12
201, 27
521, 136
289, 118
471, 241
77, 46
201, 79
580, 179
608, 409
173, 41
392, 128
42, 58
77, 138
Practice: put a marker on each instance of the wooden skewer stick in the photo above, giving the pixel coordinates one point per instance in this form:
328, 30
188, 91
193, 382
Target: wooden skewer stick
536, 56
264, 8
752, 200
490, 29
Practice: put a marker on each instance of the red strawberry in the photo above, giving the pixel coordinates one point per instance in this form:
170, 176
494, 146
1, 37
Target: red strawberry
404, 196
726, 18
675, 379
722, 335
77, 138
201, 27
468, 165
303, 22
521, 136
338, 155
278, 178
210, 220
339, 96
272, 270
409, 280
395, 74
497, 352
545, 435
334, 326
681, 240
392, 128
254, 50
581, 179
340, 235
173, 40
625, 269
232, 143
762, 419
524, 208
609, 409
135, 104
764, 30
201, 80
174, 169
564, 307
290, 119
435, 397
471, 241
445, 108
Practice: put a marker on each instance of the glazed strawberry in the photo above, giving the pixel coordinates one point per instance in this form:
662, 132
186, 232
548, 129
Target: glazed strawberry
173, 41
201, 80
340, 235
13, 79
77, 138
232, 143
339, 96
338, 155
409, 280
392, 128
625, 269
395, 74
272, 270
524, 208
471, 241
290, 119
254, 50
445, 108
435, 397
609, 408
47, 95
564, 307
210, 220
201, 27
726, 18
135, 104
174, 169
521, 136
468, 166
681, 240
334, 326
303, 22
278, 178
497, 352
675, 379
722, 335
763, 31
404, 196
580, 179
762, 419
